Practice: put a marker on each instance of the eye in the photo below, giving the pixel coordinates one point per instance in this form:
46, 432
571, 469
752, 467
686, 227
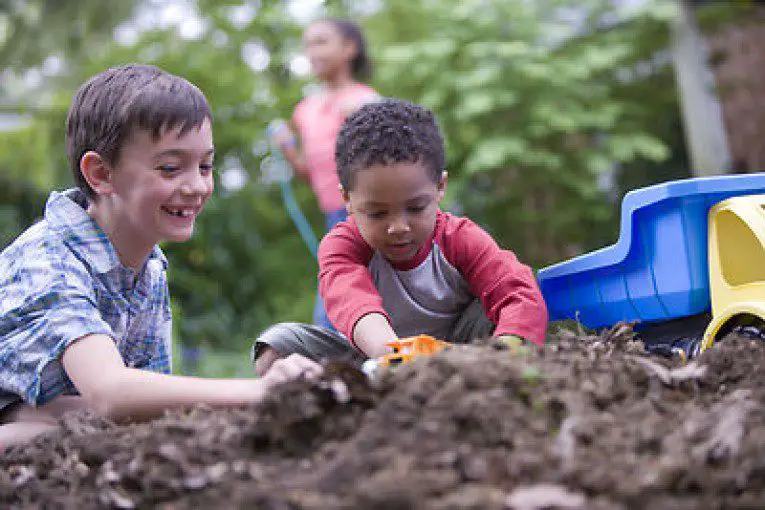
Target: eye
206, 168
417, 208
376, 215
168, 169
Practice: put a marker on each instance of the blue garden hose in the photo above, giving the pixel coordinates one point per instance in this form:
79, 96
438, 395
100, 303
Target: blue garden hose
282, 171
298, 218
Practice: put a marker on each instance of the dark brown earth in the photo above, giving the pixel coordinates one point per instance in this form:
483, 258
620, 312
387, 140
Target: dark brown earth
590, 422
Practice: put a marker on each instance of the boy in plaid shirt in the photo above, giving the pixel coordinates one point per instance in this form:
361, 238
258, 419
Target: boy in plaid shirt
85, 316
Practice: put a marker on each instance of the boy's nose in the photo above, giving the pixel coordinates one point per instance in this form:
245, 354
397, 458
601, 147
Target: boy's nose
198, 184
399, 226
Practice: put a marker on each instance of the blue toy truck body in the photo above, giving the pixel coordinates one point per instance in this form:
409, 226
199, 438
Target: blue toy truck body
658, 269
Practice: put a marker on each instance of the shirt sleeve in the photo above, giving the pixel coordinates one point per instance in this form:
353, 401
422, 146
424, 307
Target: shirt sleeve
507, 289
41, 313
345, 283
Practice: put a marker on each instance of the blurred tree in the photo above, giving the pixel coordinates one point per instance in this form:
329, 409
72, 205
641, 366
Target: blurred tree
32, 31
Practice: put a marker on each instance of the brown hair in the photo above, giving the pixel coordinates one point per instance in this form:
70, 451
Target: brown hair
109, 106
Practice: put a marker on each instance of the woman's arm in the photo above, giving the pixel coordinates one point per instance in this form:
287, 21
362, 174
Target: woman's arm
283, 136
95, 366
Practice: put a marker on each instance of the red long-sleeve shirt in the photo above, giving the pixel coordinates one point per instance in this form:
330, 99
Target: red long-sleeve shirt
427, 294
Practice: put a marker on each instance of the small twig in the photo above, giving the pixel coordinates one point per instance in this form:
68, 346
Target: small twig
672, 377
565, 443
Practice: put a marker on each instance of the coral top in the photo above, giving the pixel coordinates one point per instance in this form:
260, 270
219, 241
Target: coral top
318, 118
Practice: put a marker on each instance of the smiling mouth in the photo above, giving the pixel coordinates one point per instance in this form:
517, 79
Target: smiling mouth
180, 212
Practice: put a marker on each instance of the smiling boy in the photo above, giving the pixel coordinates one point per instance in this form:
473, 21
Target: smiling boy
85, 318
400, 266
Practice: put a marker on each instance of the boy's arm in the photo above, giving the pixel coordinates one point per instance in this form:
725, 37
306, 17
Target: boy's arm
95, 366
507, 289
372, 334
351, 299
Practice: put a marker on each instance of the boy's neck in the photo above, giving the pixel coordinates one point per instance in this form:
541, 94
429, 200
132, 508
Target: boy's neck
131, 252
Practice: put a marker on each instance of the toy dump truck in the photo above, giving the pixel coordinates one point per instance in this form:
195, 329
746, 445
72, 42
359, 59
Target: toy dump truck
686, 248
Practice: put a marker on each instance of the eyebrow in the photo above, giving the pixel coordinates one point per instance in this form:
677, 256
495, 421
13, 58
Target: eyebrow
181, 153
418, 198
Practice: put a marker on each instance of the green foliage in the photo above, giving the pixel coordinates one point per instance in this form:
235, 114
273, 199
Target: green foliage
26, 171
32, 30
20, 205
538, 101
25, 156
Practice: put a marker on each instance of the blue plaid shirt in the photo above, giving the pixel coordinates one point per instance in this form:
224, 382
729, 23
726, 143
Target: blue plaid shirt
62, 280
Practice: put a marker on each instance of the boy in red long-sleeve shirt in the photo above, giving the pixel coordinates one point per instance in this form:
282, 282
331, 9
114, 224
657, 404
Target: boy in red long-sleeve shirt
399, 266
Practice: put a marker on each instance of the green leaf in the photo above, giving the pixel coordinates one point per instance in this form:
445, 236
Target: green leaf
494, 152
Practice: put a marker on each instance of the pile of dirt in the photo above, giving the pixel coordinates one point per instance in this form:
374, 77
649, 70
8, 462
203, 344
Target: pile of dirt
589, 422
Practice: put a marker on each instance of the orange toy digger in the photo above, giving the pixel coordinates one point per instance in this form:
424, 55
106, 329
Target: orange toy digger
405, 349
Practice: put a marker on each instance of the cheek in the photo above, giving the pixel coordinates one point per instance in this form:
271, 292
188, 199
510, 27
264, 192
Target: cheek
368, 232
425, 224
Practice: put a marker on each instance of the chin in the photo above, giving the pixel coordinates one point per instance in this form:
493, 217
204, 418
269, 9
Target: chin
179, 237
399, 258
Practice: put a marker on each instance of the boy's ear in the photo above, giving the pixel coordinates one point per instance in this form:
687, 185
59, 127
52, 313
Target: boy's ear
442, 185
346, 198
97, 173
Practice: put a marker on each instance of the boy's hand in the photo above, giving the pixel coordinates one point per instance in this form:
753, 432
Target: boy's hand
511, 340
372, 334
515, 343
290, 368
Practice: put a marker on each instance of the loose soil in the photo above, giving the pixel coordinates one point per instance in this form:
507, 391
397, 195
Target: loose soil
588, 422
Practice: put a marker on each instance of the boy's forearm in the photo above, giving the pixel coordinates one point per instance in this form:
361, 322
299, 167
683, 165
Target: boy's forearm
140, 394
95, 366
372, 333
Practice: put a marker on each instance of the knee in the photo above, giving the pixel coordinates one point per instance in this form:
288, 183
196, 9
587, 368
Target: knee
278, 334
270, 344
263, 359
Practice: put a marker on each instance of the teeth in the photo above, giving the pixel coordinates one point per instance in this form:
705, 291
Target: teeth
182, 213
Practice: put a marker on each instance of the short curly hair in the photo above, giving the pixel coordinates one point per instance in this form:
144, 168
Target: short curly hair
386, 132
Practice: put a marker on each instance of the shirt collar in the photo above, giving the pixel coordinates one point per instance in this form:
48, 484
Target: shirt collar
66, 214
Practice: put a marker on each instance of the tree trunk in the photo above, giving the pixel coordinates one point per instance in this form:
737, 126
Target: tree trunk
702, 115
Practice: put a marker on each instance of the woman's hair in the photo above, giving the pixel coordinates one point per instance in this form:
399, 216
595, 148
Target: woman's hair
361, 65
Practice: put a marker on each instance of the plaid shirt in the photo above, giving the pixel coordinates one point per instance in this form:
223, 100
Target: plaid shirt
62, 280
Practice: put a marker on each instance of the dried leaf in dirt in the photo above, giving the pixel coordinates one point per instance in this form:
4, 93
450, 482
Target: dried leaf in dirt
674, 376
543, 496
